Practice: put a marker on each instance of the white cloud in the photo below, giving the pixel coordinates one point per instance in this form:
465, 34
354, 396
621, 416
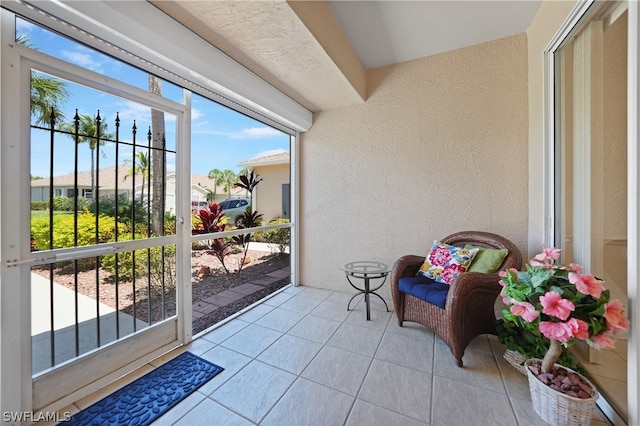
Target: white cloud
255, 133
129, 111
24, 27
269, 152
195, 114
204, 128
82, 58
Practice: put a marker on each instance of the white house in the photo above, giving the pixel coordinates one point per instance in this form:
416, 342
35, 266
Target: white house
107, 183
271, 197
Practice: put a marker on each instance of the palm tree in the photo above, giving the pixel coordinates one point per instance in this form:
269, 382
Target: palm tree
216, 175
157, 160
248, 180
229, 178
46, 93
85, 129
141, 166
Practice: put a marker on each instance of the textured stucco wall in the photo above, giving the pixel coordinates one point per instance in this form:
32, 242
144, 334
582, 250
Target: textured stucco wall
440, 146
268, 193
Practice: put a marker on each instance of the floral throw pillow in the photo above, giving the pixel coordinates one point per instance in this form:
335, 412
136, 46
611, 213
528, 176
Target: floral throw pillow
445, 262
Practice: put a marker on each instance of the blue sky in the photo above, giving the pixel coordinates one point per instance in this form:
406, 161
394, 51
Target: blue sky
220, 136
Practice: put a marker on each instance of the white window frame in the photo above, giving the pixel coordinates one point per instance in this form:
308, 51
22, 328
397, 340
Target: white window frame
226, 82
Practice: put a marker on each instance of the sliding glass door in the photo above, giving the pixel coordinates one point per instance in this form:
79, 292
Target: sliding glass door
591, 175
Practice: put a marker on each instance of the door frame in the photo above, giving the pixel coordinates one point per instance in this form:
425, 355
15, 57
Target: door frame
64, 384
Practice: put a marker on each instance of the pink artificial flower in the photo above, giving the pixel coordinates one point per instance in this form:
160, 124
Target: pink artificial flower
613, 314
579, 328
504, 298
602, 340
526, 310
560, 331
544, 265
534, 262
503, 273
550, 253
586, 284
553, 304
573, 267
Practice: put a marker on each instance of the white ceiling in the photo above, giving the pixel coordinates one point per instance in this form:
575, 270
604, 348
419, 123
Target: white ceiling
317, 52
387, 32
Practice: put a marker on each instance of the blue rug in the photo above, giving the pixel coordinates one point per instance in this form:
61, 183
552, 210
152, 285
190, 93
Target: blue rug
149, 397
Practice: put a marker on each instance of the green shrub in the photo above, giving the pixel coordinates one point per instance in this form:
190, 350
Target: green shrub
39, 205
107, 206
66, 204
280, 237
63, 230
62, 204
148, 263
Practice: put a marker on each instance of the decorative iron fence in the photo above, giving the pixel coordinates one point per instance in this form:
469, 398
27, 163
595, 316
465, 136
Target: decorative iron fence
113, 294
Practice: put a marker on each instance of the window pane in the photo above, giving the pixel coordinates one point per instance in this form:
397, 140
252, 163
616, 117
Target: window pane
51, 43
136, 290
226, 144
100, 146
219, 291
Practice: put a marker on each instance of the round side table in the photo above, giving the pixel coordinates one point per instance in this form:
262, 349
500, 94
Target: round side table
366, 270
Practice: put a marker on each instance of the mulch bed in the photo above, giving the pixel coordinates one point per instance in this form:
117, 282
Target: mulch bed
204, 286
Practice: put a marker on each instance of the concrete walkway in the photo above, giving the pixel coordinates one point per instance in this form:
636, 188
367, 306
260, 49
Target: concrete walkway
64, 333
69, 342
64, 301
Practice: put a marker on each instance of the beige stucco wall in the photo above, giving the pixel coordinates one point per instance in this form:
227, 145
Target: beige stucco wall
439, 146
268, 194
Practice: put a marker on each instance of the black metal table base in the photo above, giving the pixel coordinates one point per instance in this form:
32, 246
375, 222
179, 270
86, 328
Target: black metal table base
367, 290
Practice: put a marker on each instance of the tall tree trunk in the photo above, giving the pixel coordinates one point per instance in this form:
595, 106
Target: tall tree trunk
158, 169
93, 174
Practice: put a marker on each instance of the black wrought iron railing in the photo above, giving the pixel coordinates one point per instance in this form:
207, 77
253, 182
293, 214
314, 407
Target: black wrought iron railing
121, 212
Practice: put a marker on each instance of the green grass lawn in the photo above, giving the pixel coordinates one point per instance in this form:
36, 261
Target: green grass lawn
45, 213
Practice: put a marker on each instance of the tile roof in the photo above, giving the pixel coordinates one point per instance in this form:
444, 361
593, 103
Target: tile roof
278, 158
107, 180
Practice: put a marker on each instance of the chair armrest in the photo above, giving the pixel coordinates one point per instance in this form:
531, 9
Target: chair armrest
406, 266
467, 283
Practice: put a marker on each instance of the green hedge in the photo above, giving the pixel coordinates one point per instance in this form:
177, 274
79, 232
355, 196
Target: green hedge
63, 230
39, 205
280, 237
149, 268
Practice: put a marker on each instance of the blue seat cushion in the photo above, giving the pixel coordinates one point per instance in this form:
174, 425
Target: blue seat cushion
425, 288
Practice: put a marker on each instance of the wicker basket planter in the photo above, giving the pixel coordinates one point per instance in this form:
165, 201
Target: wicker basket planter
516, 359
557, 408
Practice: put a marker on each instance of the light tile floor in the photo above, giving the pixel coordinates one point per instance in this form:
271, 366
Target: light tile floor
300, 358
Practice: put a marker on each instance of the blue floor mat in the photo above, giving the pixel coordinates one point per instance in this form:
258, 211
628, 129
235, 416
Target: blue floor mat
149, 397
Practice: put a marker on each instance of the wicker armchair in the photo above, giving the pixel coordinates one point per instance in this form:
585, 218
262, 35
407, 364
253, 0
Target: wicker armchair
469, 305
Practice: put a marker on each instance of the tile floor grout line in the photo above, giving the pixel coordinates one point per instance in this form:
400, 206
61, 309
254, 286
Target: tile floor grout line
299, 375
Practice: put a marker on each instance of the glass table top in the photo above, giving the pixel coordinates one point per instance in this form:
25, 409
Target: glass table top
365, 267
